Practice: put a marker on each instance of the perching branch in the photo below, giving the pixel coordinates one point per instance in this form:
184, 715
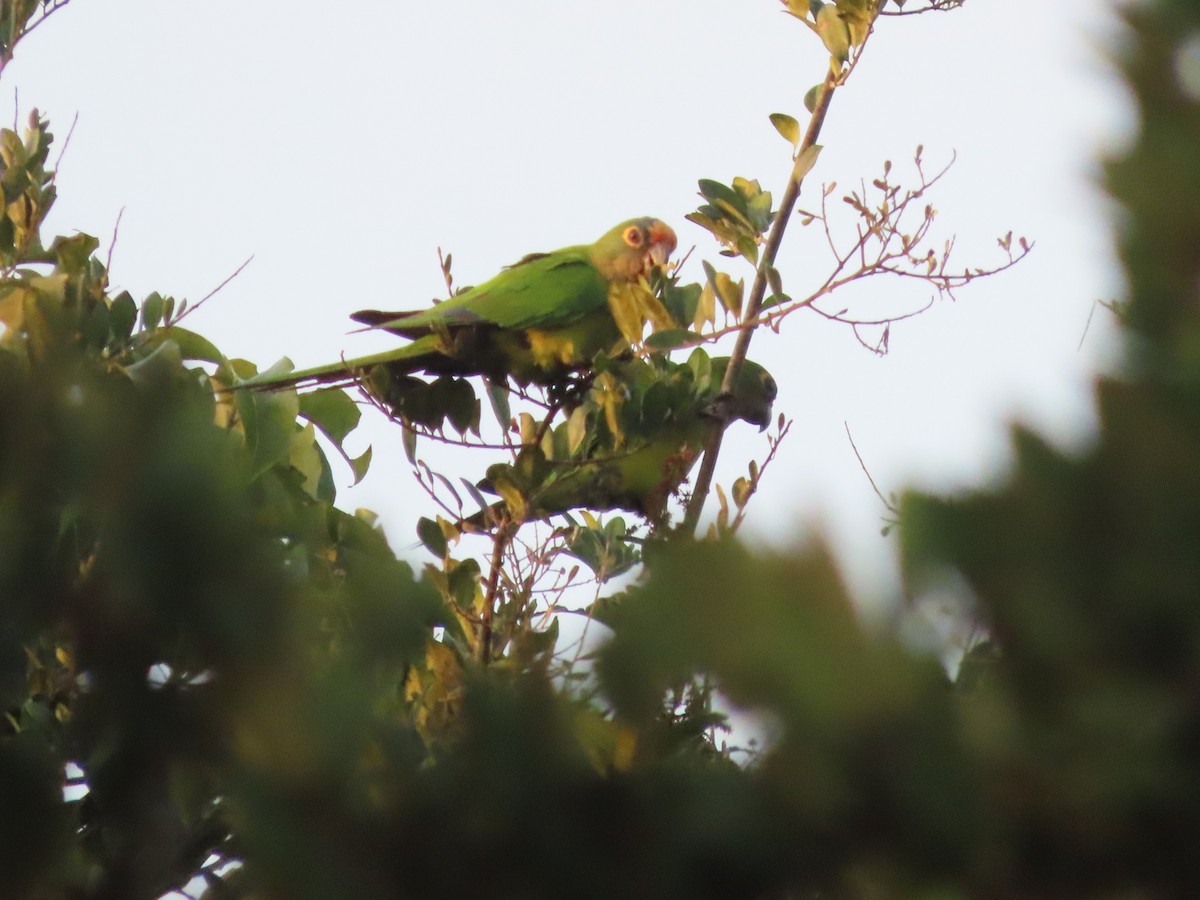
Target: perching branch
491, 591
787, 205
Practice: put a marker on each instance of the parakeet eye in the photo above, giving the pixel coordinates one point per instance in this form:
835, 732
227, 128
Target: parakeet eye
634, 237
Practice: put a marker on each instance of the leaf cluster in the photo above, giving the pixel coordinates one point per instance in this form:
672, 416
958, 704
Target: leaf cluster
236, 681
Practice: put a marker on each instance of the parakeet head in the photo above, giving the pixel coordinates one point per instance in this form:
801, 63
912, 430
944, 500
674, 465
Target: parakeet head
633, 248
753, 394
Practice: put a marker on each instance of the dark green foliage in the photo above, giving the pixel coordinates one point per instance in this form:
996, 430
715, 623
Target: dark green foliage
241, 679
629, 443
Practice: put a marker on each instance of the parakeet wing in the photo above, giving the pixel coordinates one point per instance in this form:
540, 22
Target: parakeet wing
541, 291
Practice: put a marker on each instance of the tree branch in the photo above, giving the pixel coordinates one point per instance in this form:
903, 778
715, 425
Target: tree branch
787, 205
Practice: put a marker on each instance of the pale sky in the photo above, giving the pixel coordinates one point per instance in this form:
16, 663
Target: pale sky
340, 150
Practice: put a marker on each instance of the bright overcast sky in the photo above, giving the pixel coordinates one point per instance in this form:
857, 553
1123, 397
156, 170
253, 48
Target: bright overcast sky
340, 145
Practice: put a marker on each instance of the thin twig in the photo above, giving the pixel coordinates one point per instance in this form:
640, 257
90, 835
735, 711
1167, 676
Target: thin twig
762, 468
934, 6
113, 243
890, 507
488, 613
208, 296
47, 11
443, 262
1086, 326
66, 143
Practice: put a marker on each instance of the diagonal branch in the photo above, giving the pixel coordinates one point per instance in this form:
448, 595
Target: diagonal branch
787, 205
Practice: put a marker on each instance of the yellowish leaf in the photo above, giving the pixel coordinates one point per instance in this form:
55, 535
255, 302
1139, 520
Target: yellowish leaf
576, 428
742, 491
623, 303
304, 457
834, 32
730, 293
528, 427
786, 126
806, 159
512, 497
12, 309
706, 309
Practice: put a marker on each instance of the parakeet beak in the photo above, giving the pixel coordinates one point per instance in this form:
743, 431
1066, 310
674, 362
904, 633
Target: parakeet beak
662, 244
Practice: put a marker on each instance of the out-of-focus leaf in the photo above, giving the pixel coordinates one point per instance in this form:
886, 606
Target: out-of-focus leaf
153, 310
269, 420
334, 412
430, 534
122, 317
163, 366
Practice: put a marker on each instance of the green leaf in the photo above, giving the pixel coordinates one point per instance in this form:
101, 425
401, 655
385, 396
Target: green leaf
458, 403
153, 309
760, 211
122, 317
96, 325
360, 464
748, 248
806, 160
306, 458
811, 96
334, 412
605, 550
729, 292
774, 280
474, 492
463, 583
430, 534
797, 8
715, 192
576, 428
336, 415
682, 301
161, 367
786, 126
73, 253
834, 32
701, 365
326, 486
409, 439
672, 338
269, 419
797, 610
498, 396
742, 490
193, 346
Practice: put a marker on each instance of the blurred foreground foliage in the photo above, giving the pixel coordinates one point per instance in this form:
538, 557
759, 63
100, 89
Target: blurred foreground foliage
208, 670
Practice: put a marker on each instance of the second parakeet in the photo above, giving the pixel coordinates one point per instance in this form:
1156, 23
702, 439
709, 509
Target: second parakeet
641, 463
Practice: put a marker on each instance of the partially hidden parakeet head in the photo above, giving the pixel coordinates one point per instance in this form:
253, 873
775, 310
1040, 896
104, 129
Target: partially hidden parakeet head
633, 248
753, 394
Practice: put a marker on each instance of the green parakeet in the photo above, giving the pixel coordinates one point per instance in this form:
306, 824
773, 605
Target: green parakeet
640, 463
536, 321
